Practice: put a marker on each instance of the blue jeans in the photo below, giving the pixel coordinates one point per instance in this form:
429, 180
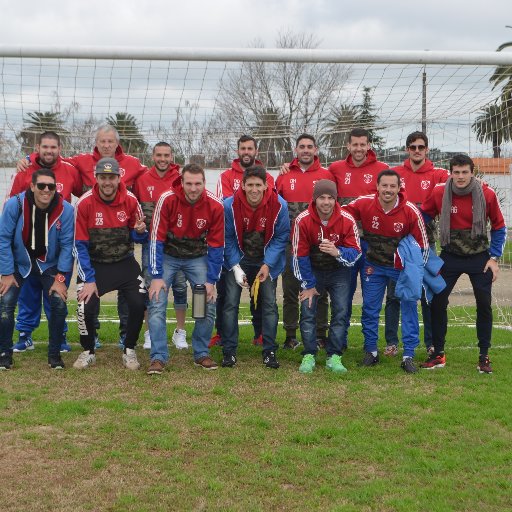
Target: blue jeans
29, 305
194, 270
376, 279
392, 317
337, 284
58, 311
266, 307
356, 270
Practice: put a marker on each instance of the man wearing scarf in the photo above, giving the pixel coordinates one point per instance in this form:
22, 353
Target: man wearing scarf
325, 248
257, 231
465, 207
36, 239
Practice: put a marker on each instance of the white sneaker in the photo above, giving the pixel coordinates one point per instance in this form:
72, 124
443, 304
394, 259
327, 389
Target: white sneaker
85, 359
130, 360
147, 340
179, 338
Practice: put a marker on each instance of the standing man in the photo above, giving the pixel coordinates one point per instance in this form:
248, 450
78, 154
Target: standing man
356, 176
108, 220
187, 234
325, 247
229, 182
386, 218
147, 189
296, 187
36, 239
465, 207
68, 182
418, 177
257, 232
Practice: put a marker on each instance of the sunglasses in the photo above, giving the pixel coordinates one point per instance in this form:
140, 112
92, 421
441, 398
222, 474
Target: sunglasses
421, 147
51, 186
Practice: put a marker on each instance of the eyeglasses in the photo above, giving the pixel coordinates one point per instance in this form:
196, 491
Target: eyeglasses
51, 186
421, 147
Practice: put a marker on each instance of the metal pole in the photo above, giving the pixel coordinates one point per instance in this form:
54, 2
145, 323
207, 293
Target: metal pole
424, 102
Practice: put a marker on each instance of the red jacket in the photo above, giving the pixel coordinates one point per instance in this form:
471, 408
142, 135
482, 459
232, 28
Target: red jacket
130, 167
419, 184
150, 186
230, 180
67, 178
462, 208
355, 181
383, 231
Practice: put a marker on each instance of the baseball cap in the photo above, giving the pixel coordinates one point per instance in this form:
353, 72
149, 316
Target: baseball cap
107, 166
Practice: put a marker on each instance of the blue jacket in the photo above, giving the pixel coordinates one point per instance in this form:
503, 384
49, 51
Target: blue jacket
13, 253
275, 250
414, 275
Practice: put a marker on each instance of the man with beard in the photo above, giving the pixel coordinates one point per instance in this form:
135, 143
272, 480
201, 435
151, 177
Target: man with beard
108, 220
356, 176
296, 188
465, 207
187, 234
148, 189
325, 247
257, 232
228, 183
68, 182
386, 218
36, 239
418, 178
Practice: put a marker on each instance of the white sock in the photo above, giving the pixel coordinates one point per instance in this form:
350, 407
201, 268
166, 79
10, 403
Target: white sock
374, 353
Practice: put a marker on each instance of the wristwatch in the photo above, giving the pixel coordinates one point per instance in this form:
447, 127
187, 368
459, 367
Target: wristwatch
60, 278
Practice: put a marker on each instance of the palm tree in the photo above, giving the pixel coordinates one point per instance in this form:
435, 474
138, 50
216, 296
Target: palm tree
38, 122
272, 133
131, 138
493, 124
336, 129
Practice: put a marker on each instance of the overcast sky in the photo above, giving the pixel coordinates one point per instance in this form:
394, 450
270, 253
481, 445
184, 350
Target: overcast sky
374, 24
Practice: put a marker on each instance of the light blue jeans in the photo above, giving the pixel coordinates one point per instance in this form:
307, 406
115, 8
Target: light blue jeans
195, 272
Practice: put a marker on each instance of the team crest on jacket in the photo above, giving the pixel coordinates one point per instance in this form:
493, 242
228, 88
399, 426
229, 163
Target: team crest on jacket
236, 184
368, 178
425, 184
121, 216
263, 221
398, 226
200, 223
59, 187
58, 225
122, 172
333, 237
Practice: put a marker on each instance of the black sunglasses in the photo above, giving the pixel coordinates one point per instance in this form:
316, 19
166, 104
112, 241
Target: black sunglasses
421, 147
42, 186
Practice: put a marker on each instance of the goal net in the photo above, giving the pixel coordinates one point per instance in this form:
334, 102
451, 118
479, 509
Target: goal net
203, 103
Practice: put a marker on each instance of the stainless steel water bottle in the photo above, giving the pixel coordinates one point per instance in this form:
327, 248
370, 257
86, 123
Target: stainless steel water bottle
199, 301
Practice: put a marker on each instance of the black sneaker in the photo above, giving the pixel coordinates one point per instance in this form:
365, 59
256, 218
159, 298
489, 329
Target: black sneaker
228, 361
55, 362
291, 343
370, 359
321, 342
408, 365
5, 361
484, 364
270, 361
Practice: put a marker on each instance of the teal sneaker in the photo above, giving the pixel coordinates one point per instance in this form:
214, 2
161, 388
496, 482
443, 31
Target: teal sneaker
335, 365
308, 364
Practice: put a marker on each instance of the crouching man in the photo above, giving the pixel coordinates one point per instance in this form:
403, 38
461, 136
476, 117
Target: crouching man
325, 247
36, 239
257, 231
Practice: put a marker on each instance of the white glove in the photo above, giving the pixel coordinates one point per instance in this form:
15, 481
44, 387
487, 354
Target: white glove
240, 276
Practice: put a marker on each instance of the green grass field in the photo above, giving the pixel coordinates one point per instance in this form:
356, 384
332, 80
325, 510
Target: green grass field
250, 438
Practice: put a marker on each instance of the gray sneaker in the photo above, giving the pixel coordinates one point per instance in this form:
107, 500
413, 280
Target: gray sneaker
85, 359
130, 359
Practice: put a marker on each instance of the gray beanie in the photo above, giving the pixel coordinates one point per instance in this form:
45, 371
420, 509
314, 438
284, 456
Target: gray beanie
324, 187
